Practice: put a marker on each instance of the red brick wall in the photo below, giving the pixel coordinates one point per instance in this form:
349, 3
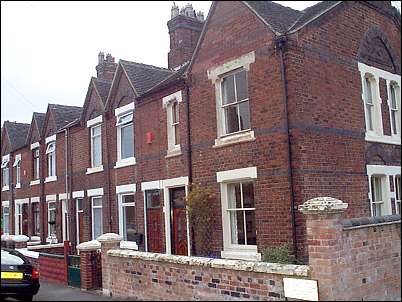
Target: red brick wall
223, 42
52, 268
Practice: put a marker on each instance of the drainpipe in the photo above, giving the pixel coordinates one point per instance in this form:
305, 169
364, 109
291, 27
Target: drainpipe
280, 44
66, 152
189, 158
107, 168
42, 188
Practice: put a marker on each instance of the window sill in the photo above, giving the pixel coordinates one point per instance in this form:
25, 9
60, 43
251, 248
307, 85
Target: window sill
247, 136
5, 188
124, 163
34, 182
50, 178
94, 170
51, 239
386, 139
18, 186
241, 255
173, 152
129, 245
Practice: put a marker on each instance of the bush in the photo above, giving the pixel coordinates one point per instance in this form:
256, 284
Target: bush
278, 254
200, 205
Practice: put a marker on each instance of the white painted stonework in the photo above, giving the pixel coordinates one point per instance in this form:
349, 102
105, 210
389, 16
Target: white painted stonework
320, 205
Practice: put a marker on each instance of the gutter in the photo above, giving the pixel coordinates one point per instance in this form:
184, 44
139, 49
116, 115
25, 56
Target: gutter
280, 42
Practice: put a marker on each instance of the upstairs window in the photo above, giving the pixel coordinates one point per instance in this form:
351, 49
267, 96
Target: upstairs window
51, 158
96, 146
175, 123
394, 105
235, 106
5, 172
17, 165
398, 193
35, 156
368, 98
125, 137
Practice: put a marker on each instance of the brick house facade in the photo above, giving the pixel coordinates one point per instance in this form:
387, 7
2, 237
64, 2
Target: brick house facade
253, 96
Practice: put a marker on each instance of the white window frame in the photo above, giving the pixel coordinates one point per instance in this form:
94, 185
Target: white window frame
92, 213
6, 204
77, 211
18, 214
35, 200
384, 172
52, 238
92, 124
397, 109
216, 75
397, 201
120, 113
174, 148
36, 172
377, 135
17, 164
5, 170
235, 251
51, 157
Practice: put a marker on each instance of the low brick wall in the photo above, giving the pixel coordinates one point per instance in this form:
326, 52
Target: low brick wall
52, 268
48, 248
151, 276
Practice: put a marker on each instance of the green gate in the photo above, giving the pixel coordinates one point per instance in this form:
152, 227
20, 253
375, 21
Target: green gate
74, 271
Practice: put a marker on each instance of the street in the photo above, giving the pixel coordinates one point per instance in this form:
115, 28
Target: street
56, 292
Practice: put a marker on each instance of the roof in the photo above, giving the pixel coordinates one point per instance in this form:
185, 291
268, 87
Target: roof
103, 87
279, 17
64, 115
17, 133
143, 77
40, 120
176, 76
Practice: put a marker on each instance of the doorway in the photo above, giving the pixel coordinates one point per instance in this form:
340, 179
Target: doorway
178, 220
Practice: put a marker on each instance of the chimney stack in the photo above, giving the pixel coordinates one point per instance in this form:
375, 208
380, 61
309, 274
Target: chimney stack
106, 67
185, 27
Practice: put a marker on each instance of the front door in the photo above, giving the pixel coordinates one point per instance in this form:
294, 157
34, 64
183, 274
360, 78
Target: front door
24, 221
178, 221
154, 221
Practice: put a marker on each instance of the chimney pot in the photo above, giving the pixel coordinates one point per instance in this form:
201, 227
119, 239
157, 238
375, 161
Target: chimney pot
174, 10
101, 57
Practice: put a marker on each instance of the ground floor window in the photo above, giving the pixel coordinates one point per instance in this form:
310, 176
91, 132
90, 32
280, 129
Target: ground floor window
36, 218
127, 219
6, 219
384, 189
80, 220
51, 218
97, 228
398, 193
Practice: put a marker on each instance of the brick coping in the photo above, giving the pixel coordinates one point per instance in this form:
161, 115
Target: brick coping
364, 222
238, 265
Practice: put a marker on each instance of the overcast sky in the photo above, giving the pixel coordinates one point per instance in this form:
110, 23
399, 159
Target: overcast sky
49, 50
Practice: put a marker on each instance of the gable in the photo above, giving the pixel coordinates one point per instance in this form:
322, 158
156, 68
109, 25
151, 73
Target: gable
49, 127
33, 134
5, 142
232, 30
121, 92
93, 105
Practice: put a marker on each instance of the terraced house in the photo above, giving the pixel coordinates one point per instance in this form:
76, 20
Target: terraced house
266, 105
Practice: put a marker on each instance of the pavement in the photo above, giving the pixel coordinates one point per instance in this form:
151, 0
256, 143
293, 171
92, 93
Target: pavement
56, 292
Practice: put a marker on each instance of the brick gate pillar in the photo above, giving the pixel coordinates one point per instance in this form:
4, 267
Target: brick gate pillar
324, 243
20, 241
109, 241
90, 265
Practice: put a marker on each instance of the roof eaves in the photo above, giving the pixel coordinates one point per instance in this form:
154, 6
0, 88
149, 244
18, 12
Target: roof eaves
291, 30
277, 33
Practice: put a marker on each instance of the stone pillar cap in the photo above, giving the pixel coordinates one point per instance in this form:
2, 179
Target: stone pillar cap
35, 238
92, 245
322, 205
7, 237
20, 238
109, 237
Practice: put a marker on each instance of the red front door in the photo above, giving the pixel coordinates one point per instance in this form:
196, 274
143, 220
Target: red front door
178, 221
154, 221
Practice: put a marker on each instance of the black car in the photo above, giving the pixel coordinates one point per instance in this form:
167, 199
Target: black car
19, 278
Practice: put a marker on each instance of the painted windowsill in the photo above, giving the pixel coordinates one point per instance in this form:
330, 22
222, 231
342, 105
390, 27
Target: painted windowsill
126, 162
129, 245
5, 188
247, 136
173, 152
386, 139
34, 182
94, 170
241, 255
50, 178
18, 186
